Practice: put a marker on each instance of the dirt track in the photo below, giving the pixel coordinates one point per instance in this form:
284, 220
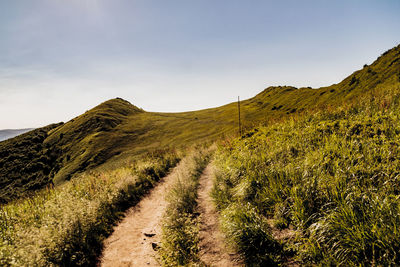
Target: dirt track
131, 242
213, 251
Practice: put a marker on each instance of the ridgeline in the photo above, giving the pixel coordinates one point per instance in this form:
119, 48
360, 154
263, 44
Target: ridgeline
116, 129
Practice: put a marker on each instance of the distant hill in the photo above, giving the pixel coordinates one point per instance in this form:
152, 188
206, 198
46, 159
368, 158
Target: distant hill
10, 133
116, 129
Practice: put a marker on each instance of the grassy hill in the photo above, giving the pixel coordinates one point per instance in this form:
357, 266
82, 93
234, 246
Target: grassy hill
318, 189
116, 130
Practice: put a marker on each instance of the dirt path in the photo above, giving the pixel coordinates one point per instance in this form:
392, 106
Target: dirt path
213, 251
132, 240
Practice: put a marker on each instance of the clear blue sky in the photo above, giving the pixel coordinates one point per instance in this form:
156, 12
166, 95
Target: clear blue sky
59, 58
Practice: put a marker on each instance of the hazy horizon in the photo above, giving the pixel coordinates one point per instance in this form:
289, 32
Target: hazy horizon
60, 58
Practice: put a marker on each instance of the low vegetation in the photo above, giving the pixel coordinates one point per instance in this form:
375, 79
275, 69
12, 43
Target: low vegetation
65, 226
180, 230
330, 180
317, 184
116, 130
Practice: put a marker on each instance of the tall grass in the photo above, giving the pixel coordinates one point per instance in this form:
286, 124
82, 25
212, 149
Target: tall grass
331, 177
180, 229
65, 226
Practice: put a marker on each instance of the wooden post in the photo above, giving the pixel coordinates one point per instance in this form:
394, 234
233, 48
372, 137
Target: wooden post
240, 125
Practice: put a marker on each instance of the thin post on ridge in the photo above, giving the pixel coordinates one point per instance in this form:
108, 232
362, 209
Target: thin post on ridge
240, 125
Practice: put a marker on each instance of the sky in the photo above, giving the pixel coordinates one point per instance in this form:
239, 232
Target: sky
59, 58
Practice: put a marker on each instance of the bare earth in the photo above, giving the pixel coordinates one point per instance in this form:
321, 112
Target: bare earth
213, 251
131, 243
128, 245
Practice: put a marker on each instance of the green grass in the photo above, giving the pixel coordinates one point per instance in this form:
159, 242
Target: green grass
116, 130
65, 226
180, 229
332, 177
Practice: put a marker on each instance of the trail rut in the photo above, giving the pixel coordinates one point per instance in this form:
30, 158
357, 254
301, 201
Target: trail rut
213, 251
131, 243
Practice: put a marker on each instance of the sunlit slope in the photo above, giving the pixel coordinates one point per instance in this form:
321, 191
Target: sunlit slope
152, 130
383, 73
91, 138
117, 129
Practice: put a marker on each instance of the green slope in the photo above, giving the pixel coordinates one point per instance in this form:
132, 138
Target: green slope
318, 190
91, 138
117, 130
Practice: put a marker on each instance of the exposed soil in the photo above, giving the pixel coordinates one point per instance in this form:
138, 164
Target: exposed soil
135, 239
213, 250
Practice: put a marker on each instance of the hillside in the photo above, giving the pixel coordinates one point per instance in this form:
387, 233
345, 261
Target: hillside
115, 130
10, 133
320, 189
26, 163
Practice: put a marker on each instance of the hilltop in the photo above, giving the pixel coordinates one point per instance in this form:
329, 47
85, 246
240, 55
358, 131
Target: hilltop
116, 129
321, 188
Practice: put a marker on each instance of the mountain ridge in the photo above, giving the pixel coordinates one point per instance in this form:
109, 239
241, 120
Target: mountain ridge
116, 130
